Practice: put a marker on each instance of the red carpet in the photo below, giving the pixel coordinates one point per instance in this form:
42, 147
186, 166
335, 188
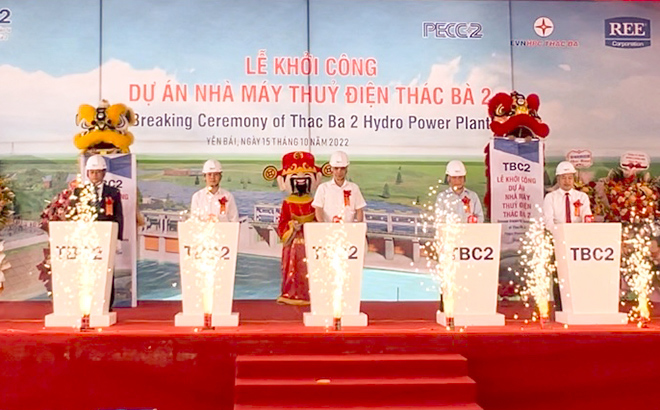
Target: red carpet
144, 362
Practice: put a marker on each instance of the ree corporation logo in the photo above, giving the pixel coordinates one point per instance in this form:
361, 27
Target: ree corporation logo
627, 32
461, 30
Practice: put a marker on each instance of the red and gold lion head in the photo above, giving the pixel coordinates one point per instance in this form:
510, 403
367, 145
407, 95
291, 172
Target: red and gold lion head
105, 128
299, 174
514, 116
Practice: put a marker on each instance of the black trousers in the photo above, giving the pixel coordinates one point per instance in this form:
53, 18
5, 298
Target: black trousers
112, 290
556, 294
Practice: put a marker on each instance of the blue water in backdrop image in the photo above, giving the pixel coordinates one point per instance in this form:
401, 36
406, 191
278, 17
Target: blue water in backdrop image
259, 277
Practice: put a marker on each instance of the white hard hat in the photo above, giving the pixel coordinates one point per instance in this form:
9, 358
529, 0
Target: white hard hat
339, 159
456, 168
211, 166
96, 162
565, 167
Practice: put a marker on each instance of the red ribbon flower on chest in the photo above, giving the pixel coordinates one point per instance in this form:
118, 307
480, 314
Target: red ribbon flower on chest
576, 207
347, 197
466, 204
223, 204
108, 206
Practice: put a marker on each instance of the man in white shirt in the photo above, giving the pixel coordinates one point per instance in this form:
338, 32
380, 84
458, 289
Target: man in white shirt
339, 200
457, 199
565, 205
213, 202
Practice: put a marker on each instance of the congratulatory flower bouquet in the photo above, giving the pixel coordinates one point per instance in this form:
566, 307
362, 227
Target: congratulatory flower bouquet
623, 196
632, 199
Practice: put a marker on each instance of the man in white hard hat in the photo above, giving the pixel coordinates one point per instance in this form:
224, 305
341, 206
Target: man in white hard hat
212, 201
108, 204
457, 199
339, 200
566, 204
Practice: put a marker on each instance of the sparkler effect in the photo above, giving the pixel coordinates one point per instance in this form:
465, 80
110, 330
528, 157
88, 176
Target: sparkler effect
206, 252
636, 266
334, 257
440, 220
537, 269
331, 271
337, 260
86, 241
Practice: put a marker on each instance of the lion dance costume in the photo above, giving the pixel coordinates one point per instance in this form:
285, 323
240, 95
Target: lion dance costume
299, 176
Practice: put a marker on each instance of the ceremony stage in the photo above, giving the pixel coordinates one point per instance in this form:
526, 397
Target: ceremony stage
403, 359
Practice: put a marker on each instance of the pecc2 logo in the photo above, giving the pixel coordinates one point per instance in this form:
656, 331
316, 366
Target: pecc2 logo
5, 24
462, 30
627, 32
5, 15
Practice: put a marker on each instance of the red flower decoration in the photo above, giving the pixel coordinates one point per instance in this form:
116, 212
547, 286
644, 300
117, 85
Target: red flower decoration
347, 197
108, 206
466, 204
577, 205
223, 204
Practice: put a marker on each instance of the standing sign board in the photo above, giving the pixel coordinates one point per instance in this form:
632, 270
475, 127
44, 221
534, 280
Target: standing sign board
207, 252
588, 263
335, 258
478, 252
82, 256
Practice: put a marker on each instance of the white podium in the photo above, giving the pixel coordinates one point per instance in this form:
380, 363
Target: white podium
207, 255
335, 258
478, 252
588, 259
82, 257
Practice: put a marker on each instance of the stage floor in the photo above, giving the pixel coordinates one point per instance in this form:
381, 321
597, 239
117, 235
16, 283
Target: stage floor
145, 362
261, 317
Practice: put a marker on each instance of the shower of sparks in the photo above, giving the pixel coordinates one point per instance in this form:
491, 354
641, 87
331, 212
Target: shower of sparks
207, 253
337, 250
86, 244
444, 225
333, 257
636, 266
537, 267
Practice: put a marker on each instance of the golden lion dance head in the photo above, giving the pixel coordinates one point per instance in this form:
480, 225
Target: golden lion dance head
105, 128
